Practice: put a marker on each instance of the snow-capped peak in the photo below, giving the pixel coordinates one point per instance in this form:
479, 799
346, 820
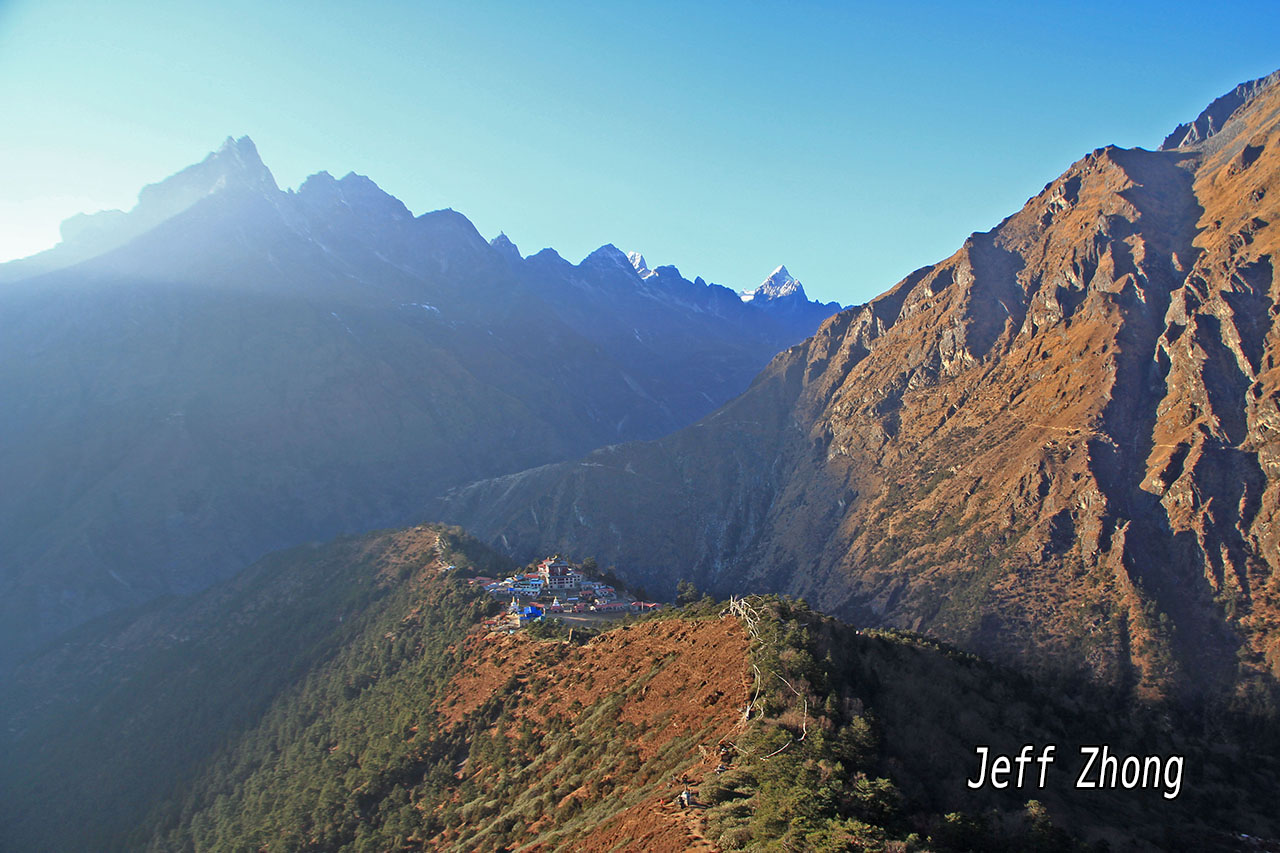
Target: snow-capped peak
776, 286
642, 267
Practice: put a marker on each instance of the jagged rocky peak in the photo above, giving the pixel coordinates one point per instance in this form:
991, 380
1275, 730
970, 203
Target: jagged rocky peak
234, 165
1213, 117
505, 247
361, 184
548, 257
242, 152
320, 185
451, 226
356, 192
609, 255
778, 285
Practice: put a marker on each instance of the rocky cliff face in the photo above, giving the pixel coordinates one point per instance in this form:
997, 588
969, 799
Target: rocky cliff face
1057, 444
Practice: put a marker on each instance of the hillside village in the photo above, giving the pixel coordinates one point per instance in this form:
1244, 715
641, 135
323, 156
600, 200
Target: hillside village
556, 586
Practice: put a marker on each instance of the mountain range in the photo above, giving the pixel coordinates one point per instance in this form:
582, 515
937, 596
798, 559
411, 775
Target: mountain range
230, 368
1056, 446
1055, 450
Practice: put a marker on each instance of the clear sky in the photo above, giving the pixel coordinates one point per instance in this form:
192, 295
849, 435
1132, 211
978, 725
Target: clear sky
852, 142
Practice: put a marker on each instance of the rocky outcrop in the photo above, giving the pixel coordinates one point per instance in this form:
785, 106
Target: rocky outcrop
1215, 116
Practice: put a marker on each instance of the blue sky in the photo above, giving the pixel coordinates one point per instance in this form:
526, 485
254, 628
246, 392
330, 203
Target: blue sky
851, 142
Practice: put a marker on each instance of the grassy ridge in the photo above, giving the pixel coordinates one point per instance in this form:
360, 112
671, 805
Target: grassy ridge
865, 739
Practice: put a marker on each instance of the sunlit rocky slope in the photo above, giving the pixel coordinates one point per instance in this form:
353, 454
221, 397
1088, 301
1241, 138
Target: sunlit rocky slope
1057, 445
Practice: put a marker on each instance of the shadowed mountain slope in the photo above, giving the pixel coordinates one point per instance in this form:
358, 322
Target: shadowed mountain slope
1057, 445
229, 368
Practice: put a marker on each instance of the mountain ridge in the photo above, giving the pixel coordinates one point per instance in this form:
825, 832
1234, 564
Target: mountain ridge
264, 368
1215, 116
